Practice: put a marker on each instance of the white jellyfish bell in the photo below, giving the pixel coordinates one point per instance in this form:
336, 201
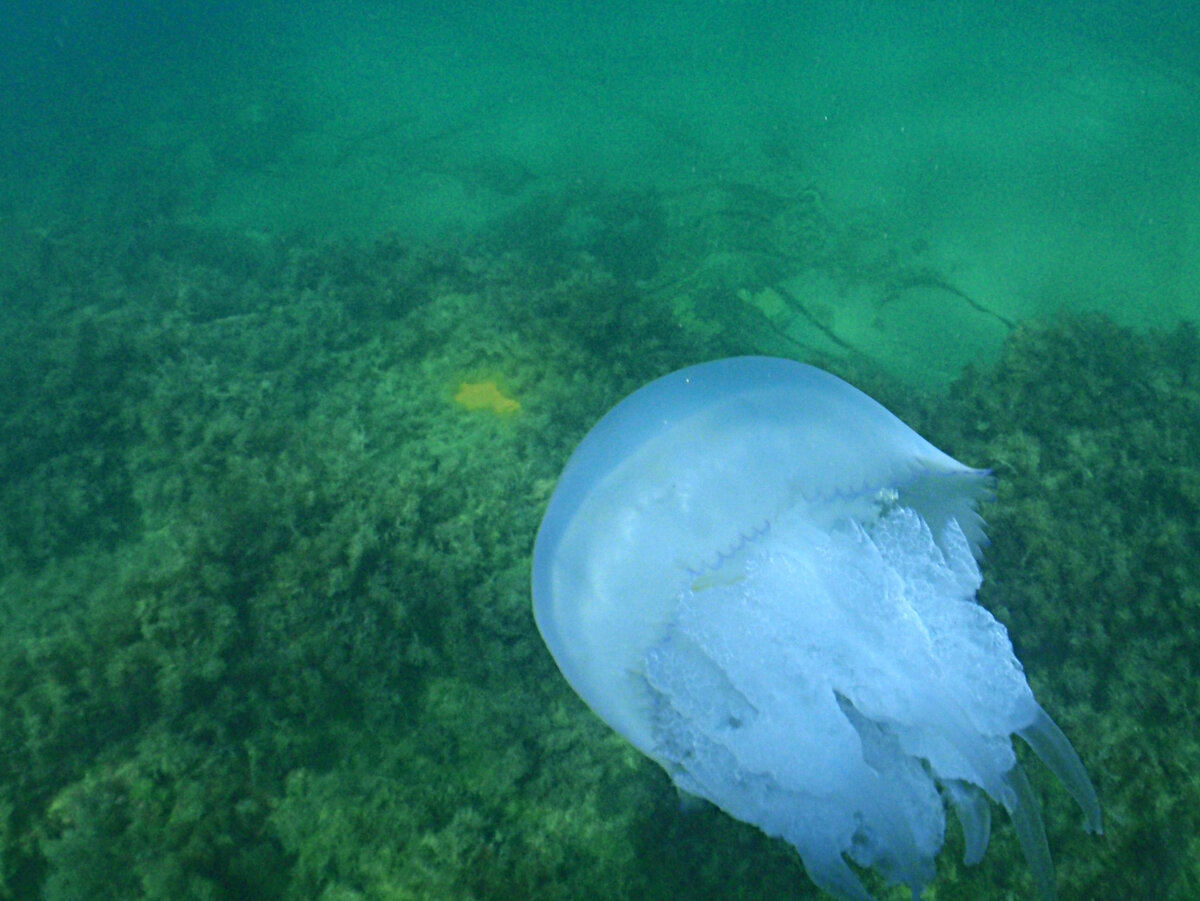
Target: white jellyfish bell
766, 582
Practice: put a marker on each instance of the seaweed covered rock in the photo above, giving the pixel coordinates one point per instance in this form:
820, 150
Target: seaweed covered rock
1093, 430
263, 582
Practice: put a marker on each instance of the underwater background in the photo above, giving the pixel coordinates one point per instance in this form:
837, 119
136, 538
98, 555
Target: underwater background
303, 307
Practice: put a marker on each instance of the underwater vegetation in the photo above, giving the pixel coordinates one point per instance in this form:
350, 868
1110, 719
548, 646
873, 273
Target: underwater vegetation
264, 582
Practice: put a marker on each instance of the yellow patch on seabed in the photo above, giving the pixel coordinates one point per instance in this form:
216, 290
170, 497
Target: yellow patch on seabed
485, 395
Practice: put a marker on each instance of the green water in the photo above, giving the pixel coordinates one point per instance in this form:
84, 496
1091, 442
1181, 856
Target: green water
264, 582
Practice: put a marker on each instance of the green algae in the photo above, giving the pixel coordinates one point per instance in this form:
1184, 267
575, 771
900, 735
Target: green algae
265, 585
